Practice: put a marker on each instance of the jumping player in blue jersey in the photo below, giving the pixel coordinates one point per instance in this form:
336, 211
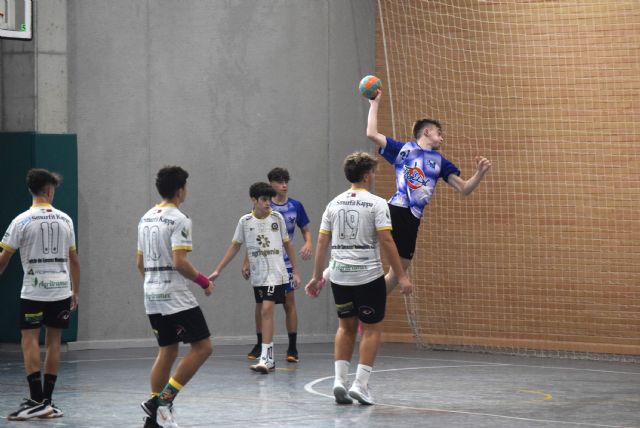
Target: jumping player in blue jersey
295, 215
418, 165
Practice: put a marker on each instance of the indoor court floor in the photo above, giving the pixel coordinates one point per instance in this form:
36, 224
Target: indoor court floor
412, 388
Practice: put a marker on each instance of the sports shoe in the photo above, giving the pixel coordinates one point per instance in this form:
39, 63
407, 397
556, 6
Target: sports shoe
341, 394
56, 413
150, 423
360, 393
30, 409
263, 366
292, 356
150, 406
164, 417
255, 352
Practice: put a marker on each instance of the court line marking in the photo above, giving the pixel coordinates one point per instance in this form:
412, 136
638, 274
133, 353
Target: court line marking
467, 362
309, 388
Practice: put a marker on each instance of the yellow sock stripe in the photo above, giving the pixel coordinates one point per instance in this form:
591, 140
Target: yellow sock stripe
174, 383
154, 394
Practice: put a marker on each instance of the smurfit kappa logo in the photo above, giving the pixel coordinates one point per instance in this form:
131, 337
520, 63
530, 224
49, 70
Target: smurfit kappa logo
415, 177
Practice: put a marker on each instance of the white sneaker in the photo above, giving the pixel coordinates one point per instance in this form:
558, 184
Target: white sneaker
30, 409
361, 393
56, 412
264, 366
164, 418
341, 394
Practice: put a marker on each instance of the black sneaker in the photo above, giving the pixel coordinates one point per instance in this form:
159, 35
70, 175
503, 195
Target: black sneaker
150, 406
150, 422
255, 352
30, 409
292, 356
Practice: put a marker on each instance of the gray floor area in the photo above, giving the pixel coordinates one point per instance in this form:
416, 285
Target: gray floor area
412, 388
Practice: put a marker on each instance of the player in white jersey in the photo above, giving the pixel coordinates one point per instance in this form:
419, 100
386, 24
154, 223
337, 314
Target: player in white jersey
356, 224
47, 244
294, 215
265, 234
164, 239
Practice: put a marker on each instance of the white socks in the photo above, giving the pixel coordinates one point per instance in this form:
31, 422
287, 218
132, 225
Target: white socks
362, 374
342, 370
267, 352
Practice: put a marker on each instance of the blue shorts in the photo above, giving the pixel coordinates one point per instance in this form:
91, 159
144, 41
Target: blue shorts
289, 288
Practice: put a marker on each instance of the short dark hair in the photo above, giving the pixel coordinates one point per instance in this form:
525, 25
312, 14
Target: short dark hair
357, 164
261, 189
278, 174
420, 124
169, 180
38, 179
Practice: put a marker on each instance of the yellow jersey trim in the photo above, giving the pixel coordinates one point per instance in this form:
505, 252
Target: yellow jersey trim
166, 204
43, 204
325, 232
253, 213
385, 228
182, 247
7, 247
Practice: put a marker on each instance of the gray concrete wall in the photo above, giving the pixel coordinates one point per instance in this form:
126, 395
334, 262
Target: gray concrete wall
34, 81
228, 90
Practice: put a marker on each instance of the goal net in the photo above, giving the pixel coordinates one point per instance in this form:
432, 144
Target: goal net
545, 255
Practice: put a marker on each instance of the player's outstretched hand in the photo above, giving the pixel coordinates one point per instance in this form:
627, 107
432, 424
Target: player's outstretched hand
482, 164
405, 286
306, 251
313, 287
209, 289
215, 274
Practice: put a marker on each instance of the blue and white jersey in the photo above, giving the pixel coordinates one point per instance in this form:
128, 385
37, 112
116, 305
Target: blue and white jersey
294, 215
417, 172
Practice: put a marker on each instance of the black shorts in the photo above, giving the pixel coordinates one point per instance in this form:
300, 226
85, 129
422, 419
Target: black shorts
405, 230
187, 327
34, 313
367, 301
274, 293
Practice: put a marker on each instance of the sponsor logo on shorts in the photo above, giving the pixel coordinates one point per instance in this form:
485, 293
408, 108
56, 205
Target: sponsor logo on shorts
64, 315
180, 330
33, 318
344, 308
367, 311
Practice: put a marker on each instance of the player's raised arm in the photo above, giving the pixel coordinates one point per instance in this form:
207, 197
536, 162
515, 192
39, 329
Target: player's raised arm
372, 123
466, 187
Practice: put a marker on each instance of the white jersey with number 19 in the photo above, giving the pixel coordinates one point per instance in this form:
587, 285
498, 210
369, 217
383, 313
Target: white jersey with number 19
353, 219
161, 231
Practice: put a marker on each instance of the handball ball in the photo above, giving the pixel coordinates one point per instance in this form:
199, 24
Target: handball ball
370, 87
